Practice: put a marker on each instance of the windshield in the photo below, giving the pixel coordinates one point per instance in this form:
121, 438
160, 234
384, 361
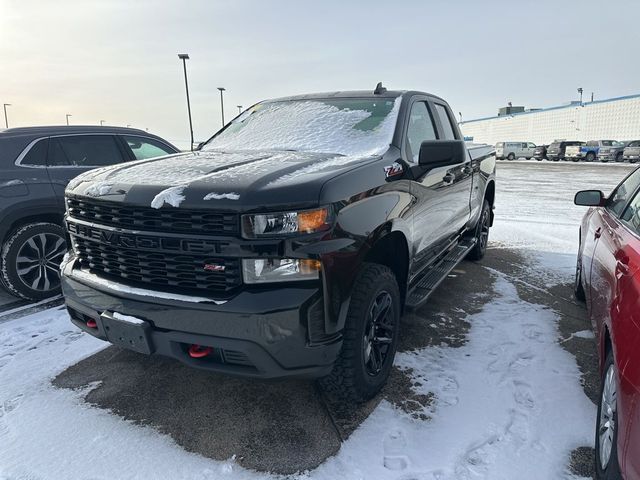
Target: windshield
346, 126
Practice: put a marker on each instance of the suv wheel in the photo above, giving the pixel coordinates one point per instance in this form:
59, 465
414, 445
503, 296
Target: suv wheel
370, 337
607, 467
590, 157
481, 234
31, 259
511, 156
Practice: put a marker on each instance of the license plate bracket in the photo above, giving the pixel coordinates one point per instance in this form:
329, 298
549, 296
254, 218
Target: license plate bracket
132, 336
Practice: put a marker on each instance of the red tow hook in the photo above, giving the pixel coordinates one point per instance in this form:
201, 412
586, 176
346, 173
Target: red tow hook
197, 351
91, 323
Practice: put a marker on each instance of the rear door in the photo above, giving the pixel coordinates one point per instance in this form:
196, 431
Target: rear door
71, 155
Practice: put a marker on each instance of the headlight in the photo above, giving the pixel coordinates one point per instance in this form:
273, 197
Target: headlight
265, 270
286, 223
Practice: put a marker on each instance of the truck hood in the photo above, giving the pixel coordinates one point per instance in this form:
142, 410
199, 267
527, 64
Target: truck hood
239, 180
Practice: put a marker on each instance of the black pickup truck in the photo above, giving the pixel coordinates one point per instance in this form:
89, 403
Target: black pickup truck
289, 244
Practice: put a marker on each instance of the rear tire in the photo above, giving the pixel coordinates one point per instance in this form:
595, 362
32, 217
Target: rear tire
31, 259
590, 157
370, 337
607, 466
511, 157
481, 233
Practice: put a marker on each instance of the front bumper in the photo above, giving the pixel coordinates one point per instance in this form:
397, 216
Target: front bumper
263, 333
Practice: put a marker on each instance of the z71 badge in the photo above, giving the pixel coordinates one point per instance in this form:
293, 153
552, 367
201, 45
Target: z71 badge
393, 170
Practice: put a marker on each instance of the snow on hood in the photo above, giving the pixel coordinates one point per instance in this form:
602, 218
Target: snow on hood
307, 125
214, 175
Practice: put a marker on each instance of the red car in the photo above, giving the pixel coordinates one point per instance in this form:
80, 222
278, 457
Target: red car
608, 279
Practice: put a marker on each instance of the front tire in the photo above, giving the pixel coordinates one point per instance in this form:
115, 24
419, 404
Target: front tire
607, 466
370, 337
31, 261
590, 157
511, 157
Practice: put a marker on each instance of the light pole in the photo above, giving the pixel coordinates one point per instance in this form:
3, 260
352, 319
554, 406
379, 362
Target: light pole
239, 109
580, 92
68, 115
222, 89
101, 123
6, 122
184, 57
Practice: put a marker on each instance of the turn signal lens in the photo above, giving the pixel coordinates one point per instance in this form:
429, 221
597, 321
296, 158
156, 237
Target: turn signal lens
308, 267
312, 220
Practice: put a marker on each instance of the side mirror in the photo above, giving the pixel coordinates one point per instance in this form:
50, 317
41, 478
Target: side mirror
589, 198
440, 153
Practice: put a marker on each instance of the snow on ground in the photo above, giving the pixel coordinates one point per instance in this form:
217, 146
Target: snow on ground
535, 210
508, 404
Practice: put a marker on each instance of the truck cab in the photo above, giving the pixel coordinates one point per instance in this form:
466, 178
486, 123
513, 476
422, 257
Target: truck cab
289, 244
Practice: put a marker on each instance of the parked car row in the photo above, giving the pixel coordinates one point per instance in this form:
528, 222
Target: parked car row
36, 164
608, 280
573, 150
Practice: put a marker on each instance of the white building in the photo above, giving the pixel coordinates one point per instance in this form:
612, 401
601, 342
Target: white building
611, 119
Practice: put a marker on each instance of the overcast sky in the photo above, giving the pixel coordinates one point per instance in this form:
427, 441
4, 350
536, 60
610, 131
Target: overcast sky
117, 60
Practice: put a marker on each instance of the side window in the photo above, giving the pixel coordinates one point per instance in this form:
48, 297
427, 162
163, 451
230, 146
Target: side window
448, 130
37, 154
420, 128
146, 147
532, 145
621, 195
631, 215
84, 151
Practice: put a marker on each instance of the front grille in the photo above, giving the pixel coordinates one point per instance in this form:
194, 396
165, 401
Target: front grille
154, 220
161, 270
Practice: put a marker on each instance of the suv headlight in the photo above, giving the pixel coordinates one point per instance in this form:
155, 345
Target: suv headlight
285, 223
266, 270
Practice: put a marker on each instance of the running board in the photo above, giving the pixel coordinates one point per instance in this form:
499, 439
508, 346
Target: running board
420, 293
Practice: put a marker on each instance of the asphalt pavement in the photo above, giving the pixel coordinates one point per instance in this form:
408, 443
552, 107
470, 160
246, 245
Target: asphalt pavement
290, 426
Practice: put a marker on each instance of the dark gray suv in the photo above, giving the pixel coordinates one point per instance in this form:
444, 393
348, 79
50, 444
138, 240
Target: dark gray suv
36, 163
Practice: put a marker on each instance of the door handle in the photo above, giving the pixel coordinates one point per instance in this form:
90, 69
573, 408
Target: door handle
448, 178
621, 268
467, 170
598, 233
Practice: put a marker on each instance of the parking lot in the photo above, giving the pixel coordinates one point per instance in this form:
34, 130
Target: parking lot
496, 366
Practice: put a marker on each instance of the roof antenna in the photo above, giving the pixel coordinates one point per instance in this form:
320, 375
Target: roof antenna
379, 89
